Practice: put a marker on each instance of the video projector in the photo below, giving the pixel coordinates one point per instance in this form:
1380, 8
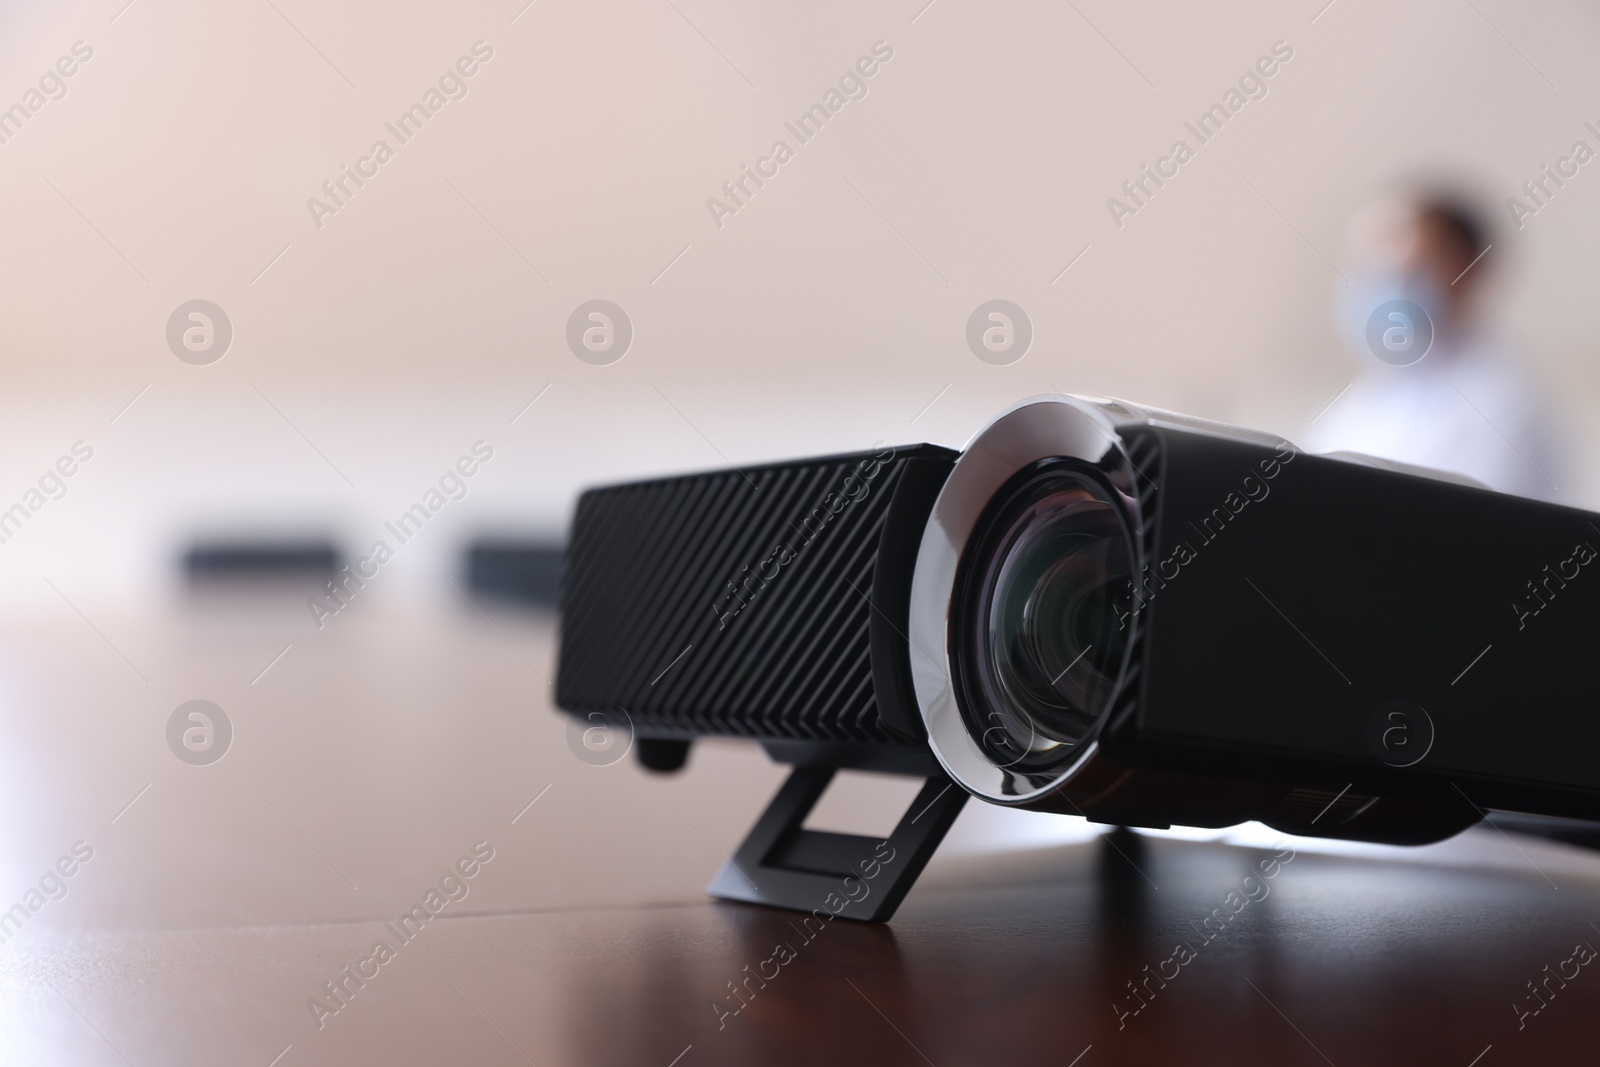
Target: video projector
1100, 609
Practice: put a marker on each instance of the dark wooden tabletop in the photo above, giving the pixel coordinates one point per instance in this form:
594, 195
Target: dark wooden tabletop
1130, 954
221, 901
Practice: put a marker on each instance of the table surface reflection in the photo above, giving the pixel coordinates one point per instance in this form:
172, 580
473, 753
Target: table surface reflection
371, 757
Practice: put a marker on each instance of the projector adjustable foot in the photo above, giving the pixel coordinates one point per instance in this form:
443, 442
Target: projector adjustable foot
784, 866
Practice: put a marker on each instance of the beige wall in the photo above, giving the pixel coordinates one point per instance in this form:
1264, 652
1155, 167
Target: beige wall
823, 315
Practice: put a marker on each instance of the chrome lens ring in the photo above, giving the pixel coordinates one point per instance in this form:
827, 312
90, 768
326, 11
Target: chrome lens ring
1041, 429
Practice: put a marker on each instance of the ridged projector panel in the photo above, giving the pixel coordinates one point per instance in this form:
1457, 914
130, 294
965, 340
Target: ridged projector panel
1144, 455
678, 606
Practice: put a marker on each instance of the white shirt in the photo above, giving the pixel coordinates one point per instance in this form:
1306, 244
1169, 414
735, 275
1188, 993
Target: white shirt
1467, 411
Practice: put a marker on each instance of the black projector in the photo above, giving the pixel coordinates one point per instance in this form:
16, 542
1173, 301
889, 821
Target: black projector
1100, 609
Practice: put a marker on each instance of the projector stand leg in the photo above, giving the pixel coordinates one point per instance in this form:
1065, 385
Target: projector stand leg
849, 875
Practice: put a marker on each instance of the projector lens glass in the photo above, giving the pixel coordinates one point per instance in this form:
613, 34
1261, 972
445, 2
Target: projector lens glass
1042, 624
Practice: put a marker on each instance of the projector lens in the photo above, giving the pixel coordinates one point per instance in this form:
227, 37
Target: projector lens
1041, 619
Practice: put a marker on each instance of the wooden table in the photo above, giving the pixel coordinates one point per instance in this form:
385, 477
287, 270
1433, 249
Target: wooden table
376, 753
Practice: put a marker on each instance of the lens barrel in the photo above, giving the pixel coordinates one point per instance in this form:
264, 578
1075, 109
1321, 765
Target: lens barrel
1040, 613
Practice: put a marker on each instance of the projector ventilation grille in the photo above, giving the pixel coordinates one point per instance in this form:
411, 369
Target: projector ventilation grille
730, 603
1144, 452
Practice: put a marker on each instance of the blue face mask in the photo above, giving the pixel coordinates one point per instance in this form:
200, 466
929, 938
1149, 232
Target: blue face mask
1386, 339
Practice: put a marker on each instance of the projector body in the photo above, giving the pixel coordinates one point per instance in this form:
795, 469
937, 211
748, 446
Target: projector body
1099, 609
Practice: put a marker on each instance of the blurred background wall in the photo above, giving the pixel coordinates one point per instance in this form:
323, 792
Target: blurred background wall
373, 346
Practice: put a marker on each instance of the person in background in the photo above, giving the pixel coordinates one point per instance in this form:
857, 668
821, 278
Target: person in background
1434, 389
